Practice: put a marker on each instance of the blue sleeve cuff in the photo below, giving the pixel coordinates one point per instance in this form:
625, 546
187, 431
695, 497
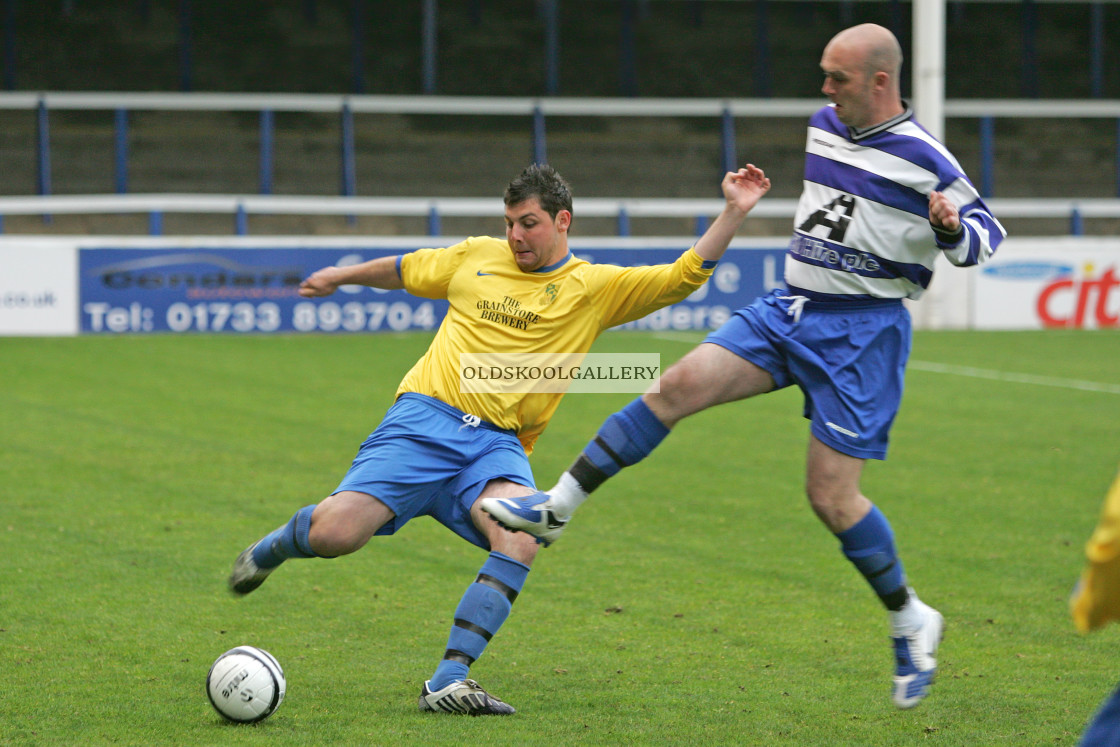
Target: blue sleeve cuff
948, 239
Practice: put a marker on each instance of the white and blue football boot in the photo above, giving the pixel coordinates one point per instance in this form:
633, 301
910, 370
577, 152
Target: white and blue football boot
916, 659
533, 514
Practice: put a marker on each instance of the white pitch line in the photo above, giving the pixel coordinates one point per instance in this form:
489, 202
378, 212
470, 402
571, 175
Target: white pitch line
1018, 378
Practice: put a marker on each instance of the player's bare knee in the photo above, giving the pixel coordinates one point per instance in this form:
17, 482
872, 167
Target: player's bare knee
824, 494
837, 506
520, 546
331, 539
678, 396
824, 510
344, 522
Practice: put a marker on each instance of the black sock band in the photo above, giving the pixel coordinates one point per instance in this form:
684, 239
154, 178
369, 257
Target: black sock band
897, 599
587, 474
458, 656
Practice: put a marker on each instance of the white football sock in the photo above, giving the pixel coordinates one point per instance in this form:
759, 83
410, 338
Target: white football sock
566, 495
910, 618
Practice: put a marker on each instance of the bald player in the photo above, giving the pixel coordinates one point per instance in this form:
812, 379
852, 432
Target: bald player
881, 201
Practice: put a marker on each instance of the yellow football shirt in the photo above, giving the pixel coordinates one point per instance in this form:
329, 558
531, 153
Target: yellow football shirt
495, 307
1097, 598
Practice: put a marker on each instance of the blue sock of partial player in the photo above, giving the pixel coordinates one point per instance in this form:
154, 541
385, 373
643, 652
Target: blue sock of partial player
870, 546
289, 541
481, 611
625, 438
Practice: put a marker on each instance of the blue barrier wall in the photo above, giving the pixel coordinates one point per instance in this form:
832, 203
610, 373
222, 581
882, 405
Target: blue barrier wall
241, 291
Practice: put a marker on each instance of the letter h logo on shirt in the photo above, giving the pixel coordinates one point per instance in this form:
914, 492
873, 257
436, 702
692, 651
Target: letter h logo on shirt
836, 216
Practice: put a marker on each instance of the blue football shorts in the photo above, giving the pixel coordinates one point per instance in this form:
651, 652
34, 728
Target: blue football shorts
848, 358
425, 459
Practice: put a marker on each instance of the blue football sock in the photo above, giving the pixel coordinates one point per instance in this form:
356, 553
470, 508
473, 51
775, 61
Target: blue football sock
289, 541
870, 546
481, 611
625, 438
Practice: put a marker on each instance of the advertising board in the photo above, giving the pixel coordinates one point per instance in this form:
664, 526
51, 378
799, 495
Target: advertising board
181, 285
38, 289
1061, 283
255, 290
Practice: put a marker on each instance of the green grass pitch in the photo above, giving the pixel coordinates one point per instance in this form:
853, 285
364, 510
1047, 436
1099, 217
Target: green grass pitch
694, 600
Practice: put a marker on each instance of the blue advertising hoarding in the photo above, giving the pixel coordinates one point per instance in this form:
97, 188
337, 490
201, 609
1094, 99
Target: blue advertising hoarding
255, 290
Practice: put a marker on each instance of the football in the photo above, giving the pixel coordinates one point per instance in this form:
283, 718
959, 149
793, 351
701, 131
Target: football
246, 684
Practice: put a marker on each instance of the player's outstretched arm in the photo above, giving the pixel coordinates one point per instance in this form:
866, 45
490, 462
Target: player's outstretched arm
376, 273
742, 189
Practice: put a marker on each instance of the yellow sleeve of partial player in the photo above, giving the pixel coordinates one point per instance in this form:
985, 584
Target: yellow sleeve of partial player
1096, 600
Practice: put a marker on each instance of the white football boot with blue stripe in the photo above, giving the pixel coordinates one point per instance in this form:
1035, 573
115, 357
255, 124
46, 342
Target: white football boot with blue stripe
916, 658
533, 514
463, 696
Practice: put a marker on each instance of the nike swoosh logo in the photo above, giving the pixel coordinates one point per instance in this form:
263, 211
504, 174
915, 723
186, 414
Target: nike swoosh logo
480, 273
553, 522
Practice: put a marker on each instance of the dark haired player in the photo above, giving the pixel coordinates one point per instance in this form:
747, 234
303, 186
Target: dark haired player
440, 449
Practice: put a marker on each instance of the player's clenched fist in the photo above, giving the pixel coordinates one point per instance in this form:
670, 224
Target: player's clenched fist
943, 214
320, 283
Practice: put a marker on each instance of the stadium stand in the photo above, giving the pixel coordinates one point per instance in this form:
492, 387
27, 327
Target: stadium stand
995, 50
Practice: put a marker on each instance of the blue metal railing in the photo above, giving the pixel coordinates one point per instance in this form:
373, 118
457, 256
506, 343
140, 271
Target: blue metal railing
347, 107
268, 127
349, 163
539, 110
43, 148
432, 210
540, 149
1118, 157
120, 147
987, 156
729, 159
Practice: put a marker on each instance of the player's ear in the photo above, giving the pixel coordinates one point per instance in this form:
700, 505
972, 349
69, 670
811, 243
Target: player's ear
563, 220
